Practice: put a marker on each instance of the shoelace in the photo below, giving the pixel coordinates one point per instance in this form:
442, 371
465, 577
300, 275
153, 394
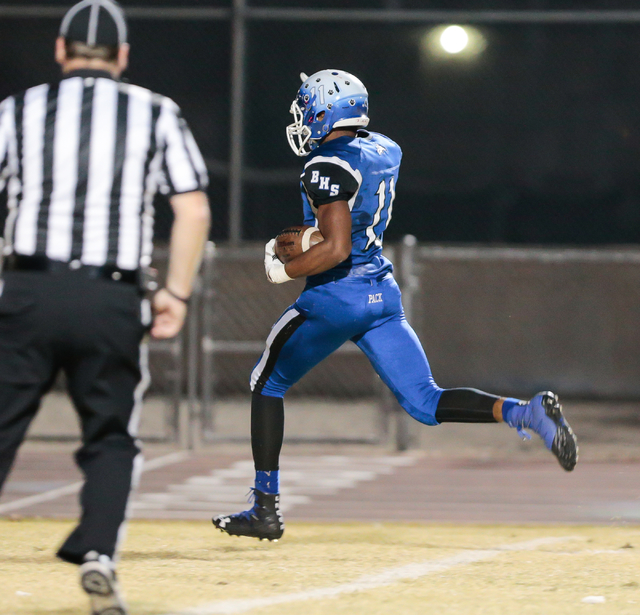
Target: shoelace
251, 499
522, 425
522, 433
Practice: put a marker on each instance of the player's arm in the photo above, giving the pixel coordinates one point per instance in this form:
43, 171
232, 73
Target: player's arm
331, 185
189, 234
334, 222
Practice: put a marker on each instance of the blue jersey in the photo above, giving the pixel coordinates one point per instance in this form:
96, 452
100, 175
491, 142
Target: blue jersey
363, 171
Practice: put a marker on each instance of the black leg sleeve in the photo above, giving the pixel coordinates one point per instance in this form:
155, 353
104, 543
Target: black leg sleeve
466, 406
267, 431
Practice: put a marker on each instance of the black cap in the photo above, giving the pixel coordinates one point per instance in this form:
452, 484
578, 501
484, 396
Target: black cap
95, 23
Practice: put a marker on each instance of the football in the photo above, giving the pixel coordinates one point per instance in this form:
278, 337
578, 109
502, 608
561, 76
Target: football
294, 240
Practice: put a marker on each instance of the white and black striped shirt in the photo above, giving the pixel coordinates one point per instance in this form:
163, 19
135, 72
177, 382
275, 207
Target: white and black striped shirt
82, 160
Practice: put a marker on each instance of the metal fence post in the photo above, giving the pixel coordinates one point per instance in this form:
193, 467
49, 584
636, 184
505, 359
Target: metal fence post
194, 408
409, 285
386, 405
177, 356
207, 346
236, 155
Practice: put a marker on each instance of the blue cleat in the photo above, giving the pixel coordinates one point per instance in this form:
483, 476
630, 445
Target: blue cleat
543, 414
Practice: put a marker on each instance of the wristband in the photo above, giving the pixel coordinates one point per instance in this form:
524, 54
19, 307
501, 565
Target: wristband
278, 274
184, 300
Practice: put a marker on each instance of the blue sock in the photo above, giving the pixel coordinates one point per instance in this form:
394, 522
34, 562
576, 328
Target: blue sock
507, 408
268, 482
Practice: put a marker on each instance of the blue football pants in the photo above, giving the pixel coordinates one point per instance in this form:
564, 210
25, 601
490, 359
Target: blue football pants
366, 311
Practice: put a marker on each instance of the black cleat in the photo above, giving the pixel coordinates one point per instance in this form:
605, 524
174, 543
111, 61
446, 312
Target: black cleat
565, 443
263, 521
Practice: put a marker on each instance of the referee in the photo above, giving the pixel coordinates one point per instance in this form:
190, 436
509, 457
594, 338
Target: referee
82, 160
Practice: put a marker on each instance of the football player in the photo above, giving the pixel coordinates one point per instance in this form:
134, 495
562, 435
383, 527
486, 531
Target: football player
348, 189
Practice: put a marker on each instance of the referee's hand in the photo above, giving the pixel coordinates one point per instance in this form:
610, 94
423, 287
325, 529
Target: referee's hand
169, 314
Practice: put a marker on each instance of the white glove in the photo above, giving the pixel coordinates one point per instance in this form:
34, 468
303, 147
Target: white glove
273, 267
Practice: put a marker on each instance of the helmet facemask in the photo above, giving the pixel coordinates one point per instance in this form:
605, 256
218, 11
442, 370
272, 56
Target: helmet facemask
299, 135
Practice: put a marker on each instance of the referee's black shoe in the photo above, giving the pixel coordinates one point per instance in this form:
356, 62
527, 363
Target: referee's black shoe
98, 579
263, 521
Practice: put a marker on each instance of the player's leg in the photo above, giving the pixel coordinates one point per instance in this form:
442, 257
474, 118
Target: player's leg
543, 414
286, 358
399, 359
107, 376
267, 435
106, 367
27, 366
397, 355
298, 341
19, 403
263, 520
106, 395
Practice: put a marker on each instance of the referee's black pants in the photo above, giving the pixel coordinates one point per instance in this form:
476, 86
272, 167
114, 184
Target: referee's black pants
92, 330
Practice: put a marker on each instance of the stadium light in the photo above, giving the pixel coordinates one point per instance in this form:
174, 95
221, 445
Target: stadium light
454, 39
454, 42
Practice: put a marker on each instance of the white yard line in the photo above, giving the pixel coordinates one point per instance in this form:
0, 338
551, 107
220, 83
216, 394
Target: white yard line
369, 582
54, 494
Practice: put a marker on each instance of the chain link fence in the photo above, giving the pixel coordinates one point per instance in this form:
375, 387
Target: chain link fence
516, 321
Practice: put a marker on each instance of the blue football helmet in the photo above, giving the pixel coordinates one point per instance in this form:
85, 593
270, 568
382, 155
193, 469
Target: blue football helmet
326, 100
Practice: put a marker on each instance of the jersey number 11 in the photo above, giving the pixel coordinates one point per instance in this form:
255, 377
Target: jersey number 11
385, 201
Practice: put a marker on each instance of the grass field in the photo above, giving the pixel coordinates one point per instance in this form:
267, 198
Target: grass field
317, 569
